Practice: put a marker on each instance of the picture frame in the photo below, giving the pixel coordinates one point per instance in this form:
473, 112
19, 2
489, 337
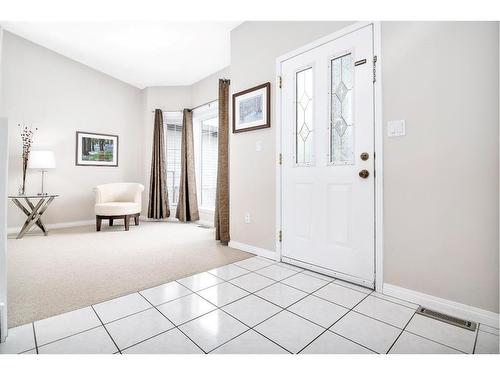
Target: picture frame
96, 149
252, 108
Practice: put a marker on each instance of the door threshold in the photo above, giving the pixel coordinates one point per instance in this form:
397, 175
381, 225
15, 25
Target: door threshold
325, 271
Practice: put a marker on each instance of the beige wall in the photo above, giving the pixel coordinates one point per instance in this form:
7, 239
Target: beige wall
60, 96
440, 180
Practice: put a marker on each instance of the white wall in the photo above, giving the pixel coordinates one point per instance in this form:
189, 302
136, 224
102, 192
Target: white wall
441, 180
207, 89
60, 96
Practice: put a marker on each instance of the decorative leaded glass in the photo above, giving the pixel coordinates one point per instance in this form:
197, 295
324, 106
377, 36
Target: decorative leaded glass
303, 117
341, 117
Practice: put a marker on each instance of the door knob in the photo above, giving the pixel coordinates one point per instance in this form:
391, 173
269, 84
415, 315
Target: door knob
364, 173
364, 156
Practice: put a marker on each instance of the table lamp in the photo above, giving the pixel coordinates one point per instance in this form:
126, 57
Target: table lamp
42, 160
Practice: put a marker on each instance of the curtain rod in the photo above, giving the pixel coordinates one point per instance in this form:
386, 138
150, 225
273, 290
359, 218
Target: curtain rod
192, 109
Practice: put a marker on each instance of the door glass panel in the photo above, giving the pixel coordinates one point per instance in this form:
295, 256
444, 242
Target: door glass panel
341, 116
303, 117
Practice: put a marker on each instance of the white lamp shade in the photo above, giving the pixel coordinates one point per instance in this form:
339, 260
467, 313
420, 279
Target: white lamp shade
41, 160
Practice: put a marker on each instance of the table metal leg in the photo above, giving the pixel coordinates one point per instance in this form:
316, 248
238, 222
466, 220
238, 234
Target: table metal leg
35, 215
29, 221
39, 221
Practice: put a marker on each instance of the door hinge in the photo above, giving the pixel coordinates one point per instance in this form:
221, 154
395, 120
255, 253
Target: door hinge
280, 159
280, 81
280, 236
374, 69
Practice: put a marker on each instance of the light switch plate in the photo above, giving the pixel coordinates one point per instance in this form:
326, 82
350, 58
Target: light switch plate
396, 128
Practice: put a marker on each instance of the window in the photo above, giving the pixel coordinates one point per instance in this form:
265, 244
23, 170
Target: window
206, 134
173, 127
209, 147
341, 121
304, 146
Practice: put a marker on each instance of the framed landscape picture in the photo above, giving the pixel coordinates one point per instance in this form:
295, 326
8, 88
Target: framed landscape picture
96, 149
252, 108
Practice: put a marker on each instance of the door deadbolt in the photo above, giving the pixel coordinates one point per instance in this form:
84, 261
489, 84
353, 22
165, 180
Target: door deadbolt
364, 156
364, 173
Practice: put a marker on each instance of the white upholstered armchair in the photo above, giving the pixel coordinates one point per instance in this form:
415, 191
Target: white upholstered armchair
120, 200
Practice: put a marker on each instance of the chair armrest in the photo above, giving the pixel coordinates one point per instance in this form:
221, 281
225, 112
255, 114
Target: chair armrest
98, 195
138, 193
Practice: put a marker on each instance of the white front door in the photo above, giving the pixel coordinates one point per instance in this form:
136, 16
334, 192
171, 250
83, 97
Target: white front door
327, 119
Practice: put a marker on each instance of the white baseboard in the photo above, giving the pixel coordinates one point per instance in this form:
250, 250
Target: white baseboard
171, 219
174, 220
69, 224
81, 223
207, 223
456, 309
254, 250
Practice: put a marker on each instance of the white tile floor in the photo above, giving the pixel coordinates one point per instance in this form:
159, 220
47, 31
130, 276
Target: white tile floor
252, 306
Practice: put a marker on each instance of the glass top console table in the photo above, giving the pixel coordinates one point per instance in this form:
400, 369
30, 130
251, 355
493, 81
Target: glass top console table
33, 210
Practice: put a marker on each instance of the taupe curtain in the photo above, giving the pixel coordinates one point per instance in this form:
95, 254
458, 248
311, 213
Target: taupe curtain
222, 195
158, 196
187, 208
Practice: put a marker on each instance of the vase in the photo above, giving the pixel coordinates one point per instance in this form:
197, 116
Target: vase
25, 167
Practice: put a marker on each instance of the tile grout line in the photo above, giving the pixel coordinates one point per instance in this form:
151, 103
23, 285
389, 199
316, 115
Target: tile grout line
34, 337
394, 302
486, 325
229, 281
68, 336
400, 333
174, 326
381, 321
176, 281
253, 293
238, 299
148, 338
109, 334
122, 317
328, 329
475, 339
436, 342
281, 308
220, 308
216, 307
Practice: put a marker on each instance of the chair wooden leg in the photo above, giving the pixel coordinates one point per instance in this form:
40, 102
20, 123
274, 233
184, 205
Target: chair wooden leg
127, 217
98, 221
136, 219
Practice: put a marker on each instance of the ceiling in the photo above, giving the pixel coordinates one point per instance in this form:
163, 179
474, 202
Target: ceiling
140, 53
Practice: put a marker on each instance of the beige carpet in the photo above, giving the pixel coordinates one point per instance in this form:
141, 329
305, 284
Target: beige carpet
76, 267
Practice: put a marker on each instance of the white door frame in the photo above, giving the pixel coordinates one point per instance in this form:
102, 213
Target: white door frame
4, 154
4, 157
379, 132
